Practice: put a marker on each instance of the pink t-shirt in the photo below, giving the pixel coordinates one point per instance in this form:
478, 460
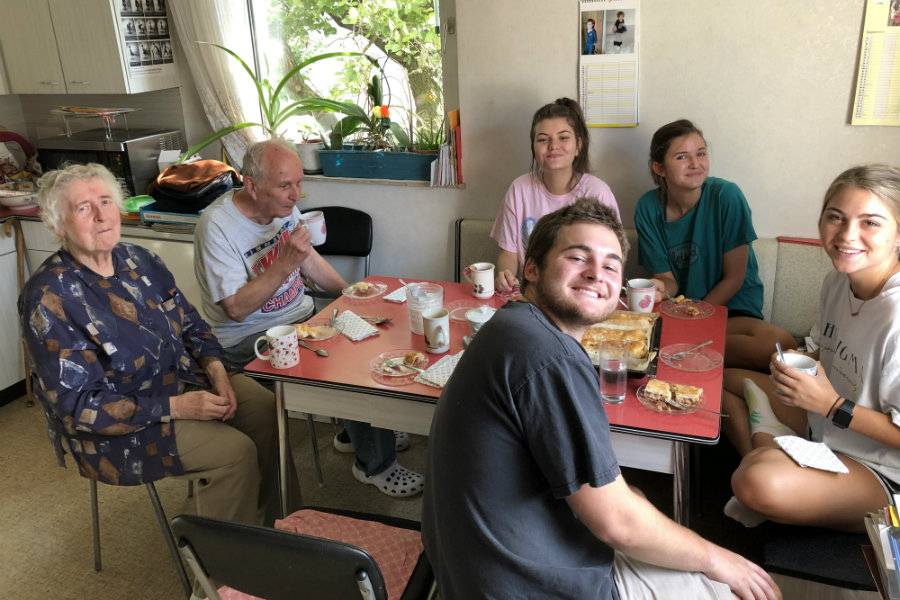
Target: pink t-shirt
527, 200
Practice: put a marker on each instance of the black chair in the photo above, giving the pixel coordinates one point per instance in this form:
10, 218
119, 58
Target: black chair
280, 565
349, 234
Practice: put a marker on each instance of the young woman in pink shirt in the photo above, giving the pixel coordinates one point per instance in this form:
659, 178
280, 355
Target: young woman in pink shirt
559, 176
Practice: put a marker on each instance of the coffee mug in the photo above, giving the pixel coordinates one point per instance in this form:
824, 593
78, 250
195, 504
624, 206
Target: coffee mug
284, 352
479, 316
314, 221
482, 277
801, 362
641, 295
436, 325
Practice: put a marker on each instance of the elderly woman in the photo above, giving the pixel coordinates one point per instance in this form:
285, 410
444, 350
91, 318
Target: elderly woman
127, 371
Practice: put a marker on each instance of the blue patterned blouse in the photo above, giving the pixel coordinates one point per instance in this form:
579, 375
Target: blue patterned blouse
107, 354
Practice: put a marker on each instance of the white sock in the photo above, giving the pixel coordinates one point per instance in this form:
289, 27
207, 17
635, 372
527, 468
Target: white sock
738, 511
762, 419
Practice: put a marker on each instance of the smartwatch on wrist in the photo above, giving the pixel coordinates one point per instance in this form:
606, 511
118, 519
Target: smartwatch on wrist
843, 414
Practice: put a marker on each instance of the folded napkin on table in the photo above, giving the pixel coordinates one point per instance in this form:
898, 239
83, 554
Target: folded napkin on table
398, 295
437, 374
353, 326
811, 454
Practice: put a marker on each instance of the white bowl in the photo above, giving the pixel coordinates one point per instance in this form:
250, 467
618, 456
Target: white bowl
13, 199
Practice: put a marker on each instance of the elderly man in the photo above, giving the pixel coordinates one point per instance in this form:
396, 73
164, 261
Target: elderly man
524, 497
253, 263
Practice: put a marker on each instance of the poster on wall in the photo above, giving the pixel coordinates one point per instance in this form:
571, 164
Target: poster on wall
877, 99
608, 42
145, 27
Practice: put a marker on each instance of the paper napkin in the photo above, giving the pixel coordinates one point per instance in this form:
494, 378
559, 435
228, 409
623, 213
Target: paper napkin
811, 454
439, 373
398, 295
354, 327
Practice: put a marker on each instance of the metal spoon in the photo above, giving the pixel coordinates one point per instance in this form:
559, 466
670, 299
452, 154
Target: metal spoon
334, 314
318, 351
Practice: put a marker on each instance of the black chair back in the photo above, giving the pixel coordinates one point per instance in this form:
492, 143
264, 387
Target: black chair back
273, 564
349, 232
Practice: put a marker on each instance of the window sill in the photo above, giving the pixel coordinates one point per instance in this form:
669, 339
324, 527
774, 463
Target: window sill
397, 182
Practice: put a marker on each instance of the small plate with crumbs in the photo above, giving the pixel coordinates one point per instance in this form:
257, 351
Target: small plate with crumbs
363, 290
685, 308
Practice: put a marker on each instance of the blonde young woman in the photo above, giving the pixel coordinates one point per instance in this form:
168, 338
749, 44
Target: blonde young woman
853, 403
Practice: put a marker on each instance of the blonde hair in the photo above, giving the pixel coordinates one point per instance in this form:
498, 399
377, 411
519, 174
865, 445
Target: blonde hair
879, 179
52, 188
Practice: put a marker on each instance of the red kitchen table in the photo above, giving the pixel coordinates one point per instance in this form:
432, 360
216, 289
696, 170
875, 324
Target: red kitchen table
341, 386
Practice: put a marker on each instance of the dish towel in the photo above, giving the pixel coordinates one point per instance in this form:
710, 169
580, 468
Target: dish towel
398, 295
353, 326
437, 374
811, 454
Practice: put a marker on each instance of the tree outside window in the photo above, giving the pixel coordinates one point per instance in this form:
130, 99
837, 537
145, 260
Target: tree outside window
401, 35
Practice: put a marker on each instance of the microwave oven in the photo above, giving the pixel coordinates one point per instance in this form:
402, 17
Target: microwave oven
131, 154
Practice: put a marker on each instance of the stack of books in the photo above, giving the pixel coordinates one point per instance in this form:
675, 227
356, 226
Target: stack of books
883, 527
446, 171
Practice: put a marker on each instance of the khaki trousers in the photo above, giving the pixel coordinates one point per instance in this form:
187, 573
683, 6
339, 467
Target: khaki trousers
236, 462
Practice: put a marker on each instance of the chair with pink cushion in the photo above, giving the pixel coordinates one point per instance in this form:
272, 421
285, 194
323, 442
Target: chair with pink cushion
323, 555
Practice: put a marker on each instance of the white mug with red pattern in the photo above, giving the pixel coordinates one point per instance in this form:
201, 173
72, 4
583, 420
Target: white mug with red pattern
284, 352
481, 275
314, 221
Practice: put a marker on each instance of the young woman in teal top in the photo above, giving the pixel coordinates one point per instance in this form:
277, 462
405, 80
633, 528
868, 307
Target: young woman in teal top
694, 234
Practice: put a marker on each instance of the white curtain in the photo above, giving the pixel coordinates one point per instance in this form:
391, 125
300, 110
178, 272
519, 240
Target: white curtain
226, 91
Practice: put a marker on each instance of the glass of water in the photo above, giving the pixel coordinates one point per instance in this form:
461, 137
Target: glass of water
613, 374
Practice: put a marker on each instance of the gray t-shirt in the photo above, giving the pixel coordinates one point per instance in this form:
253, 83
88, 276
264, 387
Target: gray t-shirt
518, 428
229, 251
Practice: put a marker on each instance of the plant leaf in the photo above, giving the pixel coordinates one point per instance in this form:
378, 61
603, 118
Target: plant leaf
297, 68
400, 134
215, 137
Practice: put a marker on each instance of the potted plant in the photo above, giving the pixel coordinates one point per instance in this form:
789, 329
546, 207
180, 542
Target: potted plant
377, 144
274, 107
308, 148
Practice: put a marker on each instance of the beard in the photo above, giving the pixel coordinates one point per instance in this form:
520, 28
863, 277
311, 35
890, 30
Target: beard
566, 311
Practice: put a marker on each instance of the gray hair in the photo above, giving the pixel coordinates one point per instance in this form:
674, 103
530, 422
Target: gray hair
52, 188
254, 166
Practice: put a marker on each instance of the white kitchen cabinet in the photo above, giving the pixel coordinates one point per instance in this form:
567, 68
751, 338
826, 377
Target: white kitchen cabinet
11, 369
29, 48
62, 46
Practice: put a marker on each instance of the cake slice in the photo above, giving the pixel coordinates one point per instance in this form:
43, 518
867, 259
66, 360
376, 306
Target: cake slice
686, 395
415, 359
657, 390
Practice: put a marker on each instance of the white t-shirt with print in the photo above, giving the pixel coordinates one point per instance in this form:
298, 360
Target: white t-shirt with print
859, 354
231, 250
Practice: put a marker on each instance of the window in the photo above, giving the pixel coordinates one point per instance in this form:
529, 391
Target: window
403, 36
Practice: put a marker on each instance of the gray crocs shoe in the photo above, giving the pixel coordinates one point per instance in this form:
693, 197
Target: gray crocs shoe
395, 481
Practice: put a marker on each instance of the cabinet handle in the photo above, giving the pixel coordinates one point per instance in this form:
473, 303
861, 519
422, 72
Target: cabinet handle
80, 82
49, 83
